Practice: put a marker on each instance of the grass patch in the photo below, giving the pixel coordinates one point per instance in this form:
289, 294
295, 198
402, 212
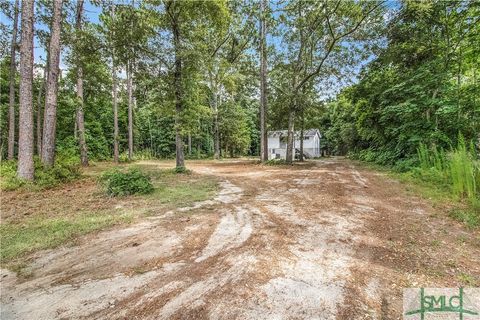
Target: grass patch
275, 162
467, 279
469, 215
181, 170
34, 221
39, 233
181, 190
186, 193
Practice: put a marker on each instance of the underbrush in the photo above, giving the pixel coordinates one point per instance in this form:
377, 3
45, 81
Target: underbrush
66, 169
123, 183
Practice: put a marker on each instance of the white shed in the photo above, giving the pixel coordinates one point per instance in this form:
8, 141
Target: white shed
277, 143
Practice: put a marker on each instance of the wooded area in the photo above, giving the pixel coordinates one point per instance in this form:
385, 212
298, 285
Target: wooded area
197, 79
238, 159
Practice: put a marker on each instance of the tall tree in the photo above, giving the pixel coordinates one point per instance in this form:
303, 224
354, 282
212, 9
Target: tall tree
116, 137
128, 45
39, 112
130, 109
80, 119
13, 68
25, 140
263, 82
174, 9
51, 92
326, 40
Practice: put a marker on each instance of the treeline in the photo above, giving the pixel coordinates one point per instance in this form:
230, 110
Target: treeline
148, 79
417, 105
423, 88
209, 78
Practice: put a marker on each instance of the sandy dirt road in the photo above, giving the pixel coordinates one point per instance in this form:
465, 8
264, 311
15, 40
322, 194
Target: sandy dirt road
324, 240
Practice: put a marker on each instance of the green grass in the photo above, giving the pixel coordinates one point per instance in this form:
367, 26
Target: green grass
467, 279
275, 162
27, 234
34, 234
185, 194
470, 215
181, 190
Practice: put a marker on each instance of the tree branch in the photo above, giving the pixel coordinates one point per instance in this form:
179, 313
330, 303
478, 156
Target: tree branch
332, 45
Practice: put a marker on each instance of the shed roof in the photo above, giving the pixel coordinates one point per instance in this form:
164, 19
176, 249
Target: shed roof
281, 133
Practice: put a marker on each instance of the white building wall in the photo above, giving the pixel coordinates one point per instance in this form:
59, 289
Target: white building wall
273, 143
311, 147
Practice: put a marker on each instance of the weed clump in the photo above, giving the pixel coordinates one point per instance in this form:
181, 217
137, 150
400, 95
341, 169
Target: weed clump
124, 183
181, 170
458, 169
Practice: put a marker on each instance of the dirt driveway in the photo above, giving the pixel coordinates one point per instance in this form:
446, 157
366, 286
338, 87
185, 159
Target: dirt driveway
324, 240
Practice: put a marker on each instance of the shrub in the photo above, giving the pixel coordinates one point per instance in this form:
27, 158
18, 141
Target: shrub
123, 157
123, 183
405, 165
65, 169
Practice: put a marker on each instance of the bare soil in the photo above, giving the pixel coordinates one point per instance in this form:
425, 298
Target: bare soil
323, 240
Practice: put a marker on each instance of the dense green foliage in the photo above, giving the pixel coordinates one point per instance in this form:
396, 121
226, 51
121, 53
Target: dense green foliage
66, 169
122, 183
417, 105
146, 41
422, 88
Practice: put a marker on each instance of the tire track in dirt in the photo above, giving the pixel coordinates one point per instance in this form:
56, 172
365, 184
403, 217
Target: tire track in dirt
275, 243
286, 248
95, 274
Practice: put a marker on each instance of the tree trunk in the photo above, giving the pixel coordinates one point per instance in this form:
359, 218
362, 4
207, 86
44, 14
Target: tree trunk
180, 161
263, 84
115, 106
39, 114
80, 117
290, 137
189, 144
51, 92
216, 154
302, 128
25, 139
130, 110
11, 105
115, 114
